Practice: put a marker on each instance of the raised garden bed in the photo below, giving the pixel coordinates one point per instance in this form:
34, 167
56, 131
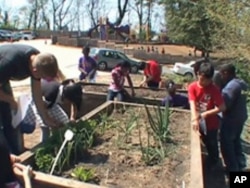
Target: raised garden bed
140, 92
143, 95
127, 150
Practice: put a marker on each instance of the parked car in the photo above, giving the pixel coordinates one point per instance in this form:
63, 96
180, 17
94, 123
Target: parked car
5, 34
28, 35
186, 69
16, 36
109, 58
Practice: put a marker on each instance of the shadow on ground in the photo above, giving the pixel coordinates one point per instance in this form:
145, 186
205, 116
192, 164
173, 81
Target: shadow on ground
213, 177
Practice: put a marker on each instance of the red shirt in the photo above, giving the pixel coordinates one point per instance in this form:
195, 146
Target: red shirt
206, 98
153, 69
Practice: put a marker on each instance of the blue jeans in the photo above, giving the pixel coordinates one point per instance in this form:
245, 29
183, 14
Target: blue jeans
231, 147
112, 94
153, 85
211, 142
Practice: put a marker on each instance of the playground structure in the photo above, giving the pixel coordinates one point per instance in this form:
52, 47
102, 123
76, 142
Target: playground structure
105, 26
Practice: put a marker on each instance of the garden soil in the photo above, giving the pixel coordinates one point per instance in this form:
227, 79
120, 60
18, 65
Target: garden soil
117, 159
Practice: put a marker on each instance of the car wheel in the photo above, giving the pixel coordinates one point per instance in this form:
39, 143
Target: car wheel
188, 75
102, 65
134, 69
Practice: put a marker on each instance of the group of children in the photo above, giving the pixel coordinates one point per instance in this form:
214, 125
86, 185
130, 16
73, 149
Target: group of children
52, 94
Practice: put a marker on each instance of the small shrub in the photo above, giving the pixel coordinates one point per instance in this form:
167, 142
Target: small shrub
83, 174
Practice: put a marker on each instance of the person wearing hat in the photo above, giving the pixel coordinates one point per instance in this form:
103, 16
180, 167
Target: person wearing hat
87, 66
174, 99
234, 118
152, 74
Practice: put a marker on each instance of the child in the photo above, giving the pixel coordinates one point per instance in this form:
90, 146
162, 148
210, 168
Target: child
8, 178
55, 95
152, 74
87, 66
205, 103
116, 88
174, 99
234, 118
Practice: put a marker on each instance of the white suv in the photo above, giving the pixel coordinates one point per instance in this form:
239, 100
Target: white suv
27, 35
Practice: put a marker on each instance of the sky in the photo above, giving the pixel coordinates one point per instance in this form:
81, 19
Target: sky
112, 4
17, 3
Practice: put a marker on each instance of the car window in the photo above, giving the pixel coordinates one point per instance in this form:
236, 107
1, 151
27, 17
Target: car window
93, 51
110, 54
121, 55
116, 55
107, 54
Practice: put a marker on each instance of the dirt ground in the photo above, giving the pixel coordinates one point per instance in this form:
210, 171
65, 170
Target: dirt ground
140, 92
117, 159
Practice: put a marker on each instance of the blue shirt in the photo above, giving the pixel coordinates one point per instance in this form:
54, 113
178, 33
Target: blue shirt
235, 100
177, 100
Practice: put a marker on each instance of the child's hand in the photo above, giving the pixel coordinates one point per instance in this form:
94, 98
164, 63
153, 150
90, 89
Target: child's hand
27, 172
21, 170
204, 115
196, 125
14, 159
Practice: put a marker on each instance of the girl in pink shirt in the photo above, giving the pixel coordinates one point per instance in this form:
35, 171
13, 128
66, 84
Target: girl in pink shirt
116, 88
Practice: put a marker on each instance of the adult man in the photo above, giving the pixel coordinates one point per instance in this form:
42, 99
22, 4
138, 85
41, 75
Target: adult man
152, 74
18, 62
233, 119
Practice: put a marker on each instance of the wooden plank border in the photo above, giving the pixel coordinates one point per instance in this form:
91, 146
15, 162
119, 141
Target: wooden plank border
196, 175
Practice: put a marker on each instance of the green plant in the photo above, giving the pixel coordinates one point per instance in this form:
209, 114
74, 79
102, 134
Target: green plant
43, 160
159, 121
176, 78
83, 174
84, 134
105, 122
149, 154
242, 71
129, 126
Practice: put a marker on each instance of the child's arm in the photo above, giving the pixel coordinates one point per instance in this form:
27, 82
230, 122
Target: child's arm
144, 82
219, 104
80, 67
213, 111
26, 176
195, 116
24, 171
130, 83
73, 112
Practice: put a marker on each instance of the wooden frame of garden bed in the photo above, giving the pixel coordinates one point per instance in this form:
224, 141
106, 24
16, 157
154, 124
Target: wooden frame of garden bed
44, 180
135, 87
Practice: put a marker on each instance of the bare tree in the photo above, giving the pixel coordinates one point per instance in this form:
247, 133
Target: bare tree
60, 9
138, 8
122, 9
94, 12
